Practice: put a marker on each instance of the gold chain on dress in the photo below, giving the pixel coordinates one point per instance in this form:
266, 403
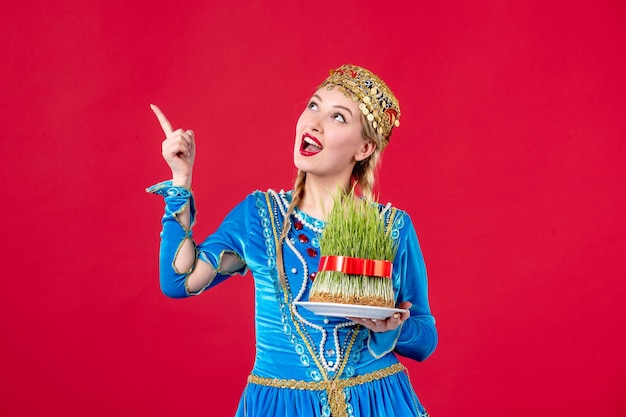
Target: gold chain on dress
334, 388
286, 294
336, 396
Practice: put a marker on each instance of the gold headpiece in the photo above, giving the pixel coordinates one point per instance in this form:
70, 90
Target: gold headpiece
376, 101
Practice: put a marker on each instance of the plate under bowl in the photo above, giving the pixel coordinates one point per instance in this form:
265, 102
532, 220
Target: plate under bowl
349, 310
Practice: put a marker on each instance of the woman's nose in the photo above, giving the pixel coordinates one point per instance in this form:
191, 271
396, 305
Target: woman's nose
315, 124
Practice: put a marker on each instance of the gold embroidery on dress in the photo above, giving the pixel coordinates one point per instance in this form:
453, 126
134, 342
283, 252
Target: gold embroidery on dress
334, 388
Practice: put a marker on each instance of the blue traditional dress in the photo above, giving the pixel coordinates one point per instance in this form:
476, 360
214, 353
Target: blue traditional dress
305, 364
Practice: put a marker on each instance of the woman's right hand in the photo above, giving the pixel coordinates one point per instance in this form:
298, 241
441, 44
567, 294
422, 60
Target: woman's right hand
178, 150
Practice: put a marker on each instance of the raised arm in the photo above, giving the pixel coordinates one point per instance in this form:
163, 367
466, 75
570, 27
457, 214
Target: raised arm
180, 272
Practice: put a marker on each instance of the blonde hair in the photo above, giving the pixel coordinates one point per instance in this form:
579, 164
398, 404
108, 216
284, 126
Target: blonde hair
364, 172
296, 197
363, 175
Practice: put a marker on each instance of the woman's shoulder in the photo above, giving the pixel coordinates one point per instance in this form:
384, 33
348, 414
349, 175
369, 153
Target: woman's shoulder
389, 210
397, 220
277, 201
269, 194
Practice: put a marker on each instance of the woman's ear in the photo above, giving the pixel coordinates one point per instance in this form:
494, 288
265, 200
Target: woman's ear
368, 148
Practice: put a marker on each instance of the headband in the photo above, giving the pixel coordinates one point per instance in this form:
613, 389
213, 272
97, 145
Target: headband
376, 101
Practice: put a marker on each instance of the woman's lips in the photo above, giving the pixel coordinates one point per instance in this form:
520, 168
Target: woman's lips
310, 145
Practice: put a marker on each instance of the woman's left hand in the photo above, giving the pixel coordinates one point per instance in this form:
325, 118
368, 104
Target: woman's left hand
388, 324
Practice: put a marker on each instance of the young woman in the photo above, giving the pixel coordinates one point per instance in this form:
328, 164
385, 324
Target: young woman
307, 364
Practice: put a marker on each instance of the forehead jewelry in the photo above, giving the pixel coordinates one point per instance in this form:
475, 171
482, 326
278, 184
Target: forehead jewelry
376, 101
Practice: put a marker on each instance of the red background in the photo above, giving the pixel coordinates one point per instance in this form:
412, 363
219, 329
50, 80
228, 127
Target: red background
510, 159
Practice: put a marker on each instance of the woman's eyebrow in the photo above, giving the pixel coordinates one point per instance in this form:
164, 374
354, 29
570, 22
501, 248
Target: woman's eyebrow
336, 105
345, 108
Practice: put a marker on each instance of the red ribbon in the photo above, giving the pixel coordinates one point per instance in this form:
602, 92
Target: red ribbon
356, 266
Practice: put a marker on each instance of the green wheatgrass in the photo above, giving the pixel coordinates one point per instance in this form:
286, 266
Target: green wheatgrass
355, 228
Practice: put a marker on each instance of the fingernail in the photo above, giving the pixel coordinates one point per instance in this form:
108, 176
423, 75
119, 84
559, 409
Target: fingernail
396, 316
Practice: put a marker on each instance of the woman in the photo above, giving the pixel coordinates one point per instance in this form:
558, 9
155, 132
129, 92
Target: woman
307, 365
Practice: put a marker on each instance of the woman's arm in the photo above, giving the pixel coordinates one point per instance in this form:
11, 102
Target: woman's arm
412, 334
418, 337
181, 274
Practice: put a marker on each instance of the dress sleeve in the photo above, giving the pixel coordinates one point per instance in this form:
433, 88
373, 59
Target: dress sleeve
225, 239
417, 337
232, 237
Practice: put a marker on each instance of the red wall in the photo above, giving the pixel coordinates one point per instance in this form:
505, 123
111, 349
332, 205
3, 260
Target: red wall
510, 159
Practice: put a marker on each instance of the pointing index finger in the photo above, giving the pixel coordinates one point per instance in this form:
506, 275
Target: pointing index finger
165, 124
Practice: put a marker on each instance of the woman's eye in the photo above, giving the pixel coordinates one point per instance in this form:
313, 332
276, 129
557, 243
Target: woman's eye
339, 117
312, 105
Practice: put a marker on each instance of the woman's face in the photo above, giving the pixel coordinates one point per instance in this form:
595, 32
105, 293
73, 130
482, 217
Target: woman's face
328, 136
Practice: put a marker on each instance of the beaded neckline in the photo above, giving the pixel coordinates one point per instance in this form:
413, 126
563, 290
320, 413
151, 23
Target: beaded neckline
309, 222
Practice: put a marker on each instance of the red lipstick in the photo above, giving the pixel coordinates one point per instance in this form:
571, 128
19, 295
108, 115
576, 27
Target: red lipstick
309, 145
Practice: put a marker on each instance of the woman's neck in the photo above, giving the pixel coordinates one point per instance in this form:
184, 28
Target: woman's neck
319, 197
